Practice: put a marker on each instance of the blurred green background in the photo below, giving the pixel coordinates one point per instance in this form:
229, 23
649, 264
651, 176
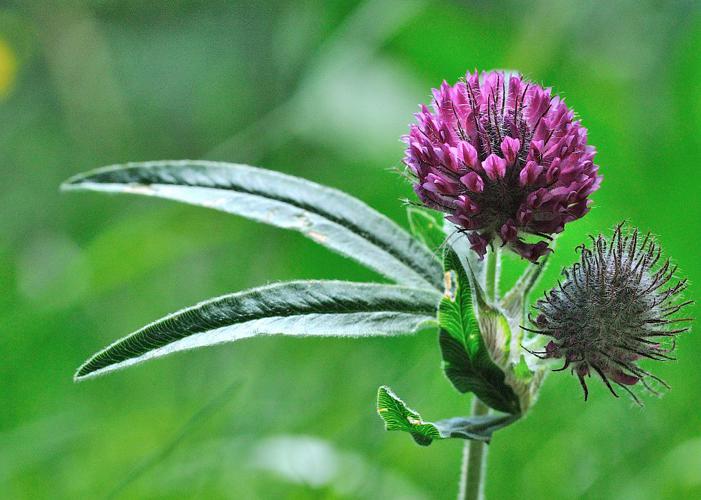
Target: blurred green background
323, 90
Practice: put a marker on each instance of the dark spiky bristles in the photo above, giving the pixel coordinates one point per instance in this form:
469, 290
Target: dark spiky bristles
619, 304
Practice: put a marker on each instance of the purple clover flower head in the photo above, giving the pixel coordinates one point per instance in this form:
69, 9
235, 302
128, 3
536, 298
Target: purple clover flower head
616, 306
504, 158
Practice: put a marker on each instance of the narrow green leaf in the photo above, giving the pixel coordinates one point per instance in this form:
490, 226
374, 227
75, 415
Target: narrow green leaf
399, 417
427, 226
467, 360
327, 216
493, 323
513, 302
319, 308
496, 331
468, 257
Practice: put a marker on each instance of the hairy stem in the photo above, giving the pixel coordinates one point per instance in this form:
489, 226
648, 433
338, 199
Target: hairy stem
474, 461
493, 268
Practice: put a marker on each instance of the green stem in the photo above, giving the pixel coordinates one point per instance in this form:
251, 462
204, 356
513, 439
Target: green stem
493, 264
474, 461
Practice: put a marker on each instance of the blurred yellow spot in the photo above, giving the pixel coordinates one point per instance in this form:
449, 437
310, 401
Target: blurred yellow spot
8, 68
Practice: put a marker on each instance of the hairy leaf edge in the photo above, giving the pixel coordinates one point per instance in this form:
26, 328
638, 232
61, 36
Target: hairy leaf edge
429, 320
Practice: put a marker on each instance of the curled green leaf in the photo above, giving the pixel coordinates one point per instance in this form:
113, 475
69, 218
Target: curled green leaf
468, 361
399, 417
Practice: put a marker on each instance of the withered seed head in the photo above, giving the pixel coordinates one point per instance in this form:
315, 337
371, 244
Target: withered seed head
617, 305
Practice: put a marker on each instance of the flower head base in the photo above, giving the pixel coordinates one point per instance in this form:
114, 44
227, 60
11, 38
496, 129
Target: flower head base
616, 306
503, 157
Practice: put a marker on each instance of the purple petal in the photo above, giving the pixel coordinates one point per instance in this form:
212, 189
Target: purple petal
473, 182
494, 166
510, 148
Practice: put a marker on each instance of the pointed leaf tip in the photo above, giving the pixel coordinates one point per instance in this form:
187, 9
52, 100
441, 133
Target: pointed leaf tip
427, 227
328, 216
298, 308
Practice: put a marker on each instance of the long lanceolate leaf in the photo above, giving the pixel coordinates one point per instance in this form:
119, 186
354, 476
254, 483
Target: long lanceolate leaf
328, 216
320, 308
